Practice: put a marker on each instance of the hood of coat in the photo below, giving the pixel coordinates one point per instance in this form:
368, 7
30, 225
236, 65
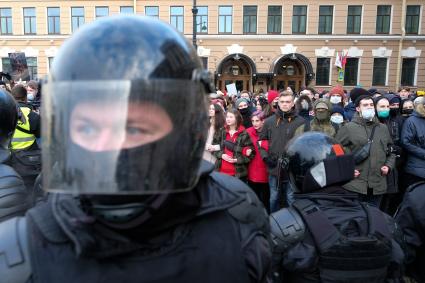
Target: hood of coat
299, 103
419, 111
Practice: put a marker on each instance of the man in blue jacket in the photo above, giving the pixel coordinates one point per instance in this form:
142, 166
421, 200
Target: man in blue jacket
413, 141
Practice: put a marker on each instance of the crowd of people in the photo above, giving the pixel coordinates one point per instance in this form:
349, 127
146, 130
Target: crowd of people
387, 127
143, 182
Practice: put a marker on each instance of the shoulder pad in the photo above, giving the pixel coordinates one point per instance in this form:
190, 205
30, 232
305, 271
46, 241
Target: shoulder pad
287, 229
15, 265
246, 207
13, 194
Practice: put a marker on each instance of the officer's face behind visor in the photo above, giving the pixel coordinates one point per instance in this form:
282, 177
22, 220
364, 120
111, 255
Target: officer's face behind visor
110, 126
119, 137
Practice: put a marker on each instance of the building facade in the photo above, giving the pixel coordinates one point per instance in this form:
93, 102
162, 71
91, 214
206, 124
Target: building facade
254, 44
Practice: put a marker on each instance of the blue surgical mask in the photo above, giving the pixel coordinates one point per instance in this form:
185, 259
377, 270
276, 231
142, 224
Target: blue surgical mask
368, 114
337, 119
383, 113
30, 96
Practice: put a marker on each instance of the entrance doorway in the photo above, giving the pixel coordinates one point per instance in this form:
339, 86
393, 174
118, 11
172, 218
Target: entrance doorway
235, 69
288, 72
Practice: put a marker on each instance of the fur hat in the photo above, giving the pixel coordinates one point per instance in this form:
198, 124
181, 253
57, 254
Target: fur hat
357, 94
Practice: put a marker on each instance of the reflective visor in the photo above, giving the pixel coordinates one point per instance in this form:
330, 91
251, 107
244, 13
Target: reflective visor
119, 137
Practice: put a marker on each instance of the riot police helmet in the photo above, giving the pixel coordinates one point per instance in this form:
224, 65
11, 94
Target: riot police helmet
124, 111
8, 118
315, 161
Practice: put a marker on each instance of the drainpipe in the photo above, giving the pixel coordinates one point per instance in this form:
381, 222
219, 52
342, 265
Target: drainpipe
400, 44
134, 6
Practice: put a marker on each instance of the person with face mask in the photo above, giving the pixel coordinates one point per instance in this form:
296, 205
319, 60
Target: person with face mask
337, 96
272, 98
243, 106
130, 198
33, 96
321, 121
303, 106
390, 200
337, 117
370, 143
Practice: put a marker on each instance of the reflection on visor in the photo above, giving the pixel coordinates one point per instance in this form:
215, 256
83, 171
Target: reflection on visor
114, 126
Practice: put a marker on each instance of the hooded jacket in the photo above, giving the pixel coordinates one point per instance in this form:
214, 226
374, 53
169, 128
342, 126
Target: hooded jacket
257, 169
413, 141
321, 126
305, 113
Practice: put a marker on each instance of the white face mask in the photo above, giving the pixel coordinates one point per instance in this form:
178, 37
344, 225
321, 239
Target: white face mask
368, 114
30, 96
335, 99
337, 119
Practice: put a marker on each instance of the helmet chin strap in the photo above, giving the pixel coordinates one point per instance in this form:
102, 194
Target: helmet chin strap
125, 215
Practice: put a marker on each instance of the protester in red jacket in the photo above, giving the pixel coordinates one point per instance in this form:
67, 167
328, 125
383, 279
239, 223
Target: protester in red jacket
258, 177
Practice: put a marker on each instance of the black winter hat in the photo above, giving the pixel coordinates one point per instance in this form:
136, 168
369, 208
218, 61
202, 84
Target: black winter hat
357, 94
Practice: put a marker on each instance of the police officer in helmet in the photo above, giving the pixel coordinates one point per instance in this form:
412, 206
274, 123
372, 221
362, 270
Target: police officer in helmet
124, 131
328, 235
13, 194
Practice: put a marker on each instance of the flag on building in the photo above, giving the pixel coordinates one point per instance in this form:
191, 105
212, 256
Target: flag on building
338, 61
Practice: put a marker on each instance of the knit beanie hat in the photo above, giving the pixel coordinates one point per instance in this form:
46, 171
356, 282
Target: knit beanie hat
239, 101
272, 94
337, 90
338, 109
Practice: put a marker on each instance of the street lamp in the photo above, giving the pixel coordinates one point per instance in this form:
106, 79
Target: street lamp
194, 13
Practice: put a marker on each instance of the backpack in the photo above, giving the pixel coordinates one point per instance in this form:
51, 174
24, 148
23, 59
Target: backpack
347, 258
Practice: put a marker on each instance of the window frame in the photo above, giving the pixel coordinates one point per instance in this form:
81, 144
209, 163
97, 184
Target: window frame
157, 11
415, 72
31, 68
418, 16
382, 19
329, 81
126, 7
200, 19
273, 18
321, 17
228, 18
385, 83
178, 18
96, 15
298, 19
8, 21
355, 17
357, 70
78, 18
250, 20
32, 21
56, 21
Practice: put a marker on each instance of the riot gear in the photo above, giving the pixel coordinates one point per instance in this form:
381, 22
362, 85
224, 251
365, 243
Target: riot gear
311, 170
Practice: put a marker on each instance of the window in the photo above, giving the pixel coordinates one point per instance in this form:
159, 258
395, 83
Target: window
32, 67
383, 19
102, 12
412, 19
6, 67
202, 20
299, 19
126, 10
77, 17
53, 20
225, 19
354, 19
274, 19
351, 71
177, 17
323, 71
249, 19
205, 62
29, 21
325, 19
152, 11
379, 71
6, 20
408, 72
50, 62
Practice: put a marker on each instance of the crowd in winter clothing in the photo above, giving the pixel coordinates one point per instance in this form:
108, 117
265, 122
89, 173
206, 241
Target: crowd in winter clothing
384, 131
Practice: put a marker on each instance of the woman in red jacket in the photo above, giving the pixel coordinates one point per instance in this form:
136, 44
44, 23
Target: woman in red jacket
258, 176
235, 147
